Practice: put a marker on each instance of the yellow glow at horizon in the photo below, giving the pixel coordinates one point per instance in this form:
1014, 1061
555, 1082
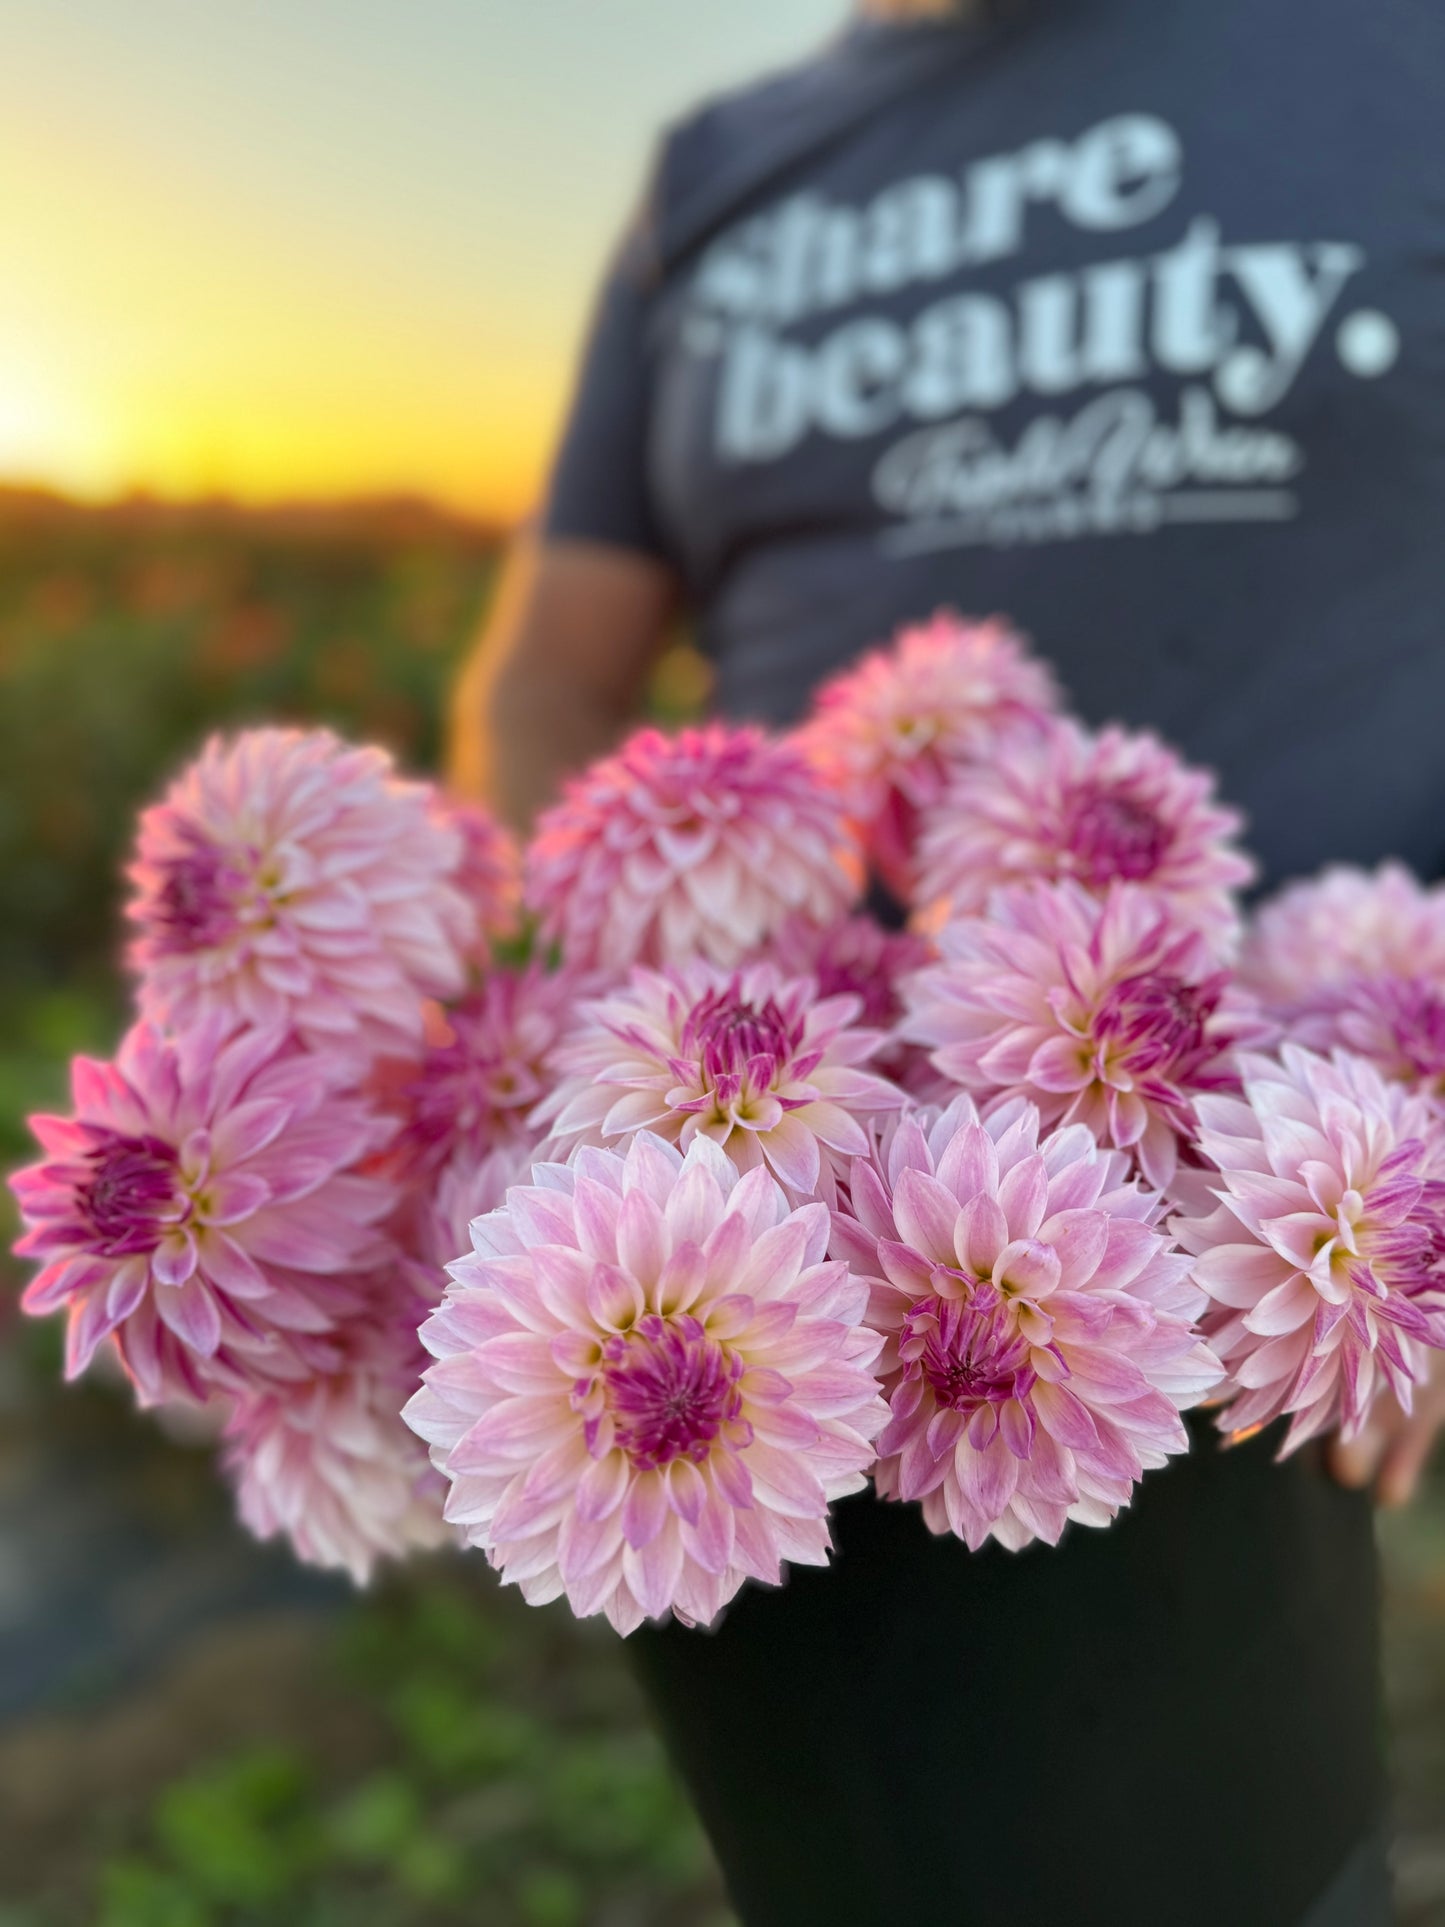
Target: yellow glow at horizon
338, 248
151, 339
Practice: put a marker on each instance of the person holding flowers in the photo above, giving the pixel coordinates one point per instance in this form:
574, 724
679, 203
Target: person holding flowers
1114, 315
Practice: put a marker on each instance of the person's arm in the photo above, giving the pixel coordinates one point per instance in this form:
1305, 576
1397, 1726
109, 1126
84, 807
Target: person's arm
584, 605
575, 629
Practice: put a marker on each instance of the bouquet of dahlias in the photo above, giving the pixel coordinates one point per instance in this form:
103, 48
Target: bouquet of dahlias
616, 1204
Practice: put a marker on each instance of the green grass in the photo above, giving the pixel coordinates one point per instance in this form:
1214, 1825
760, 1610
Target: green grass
515, 1784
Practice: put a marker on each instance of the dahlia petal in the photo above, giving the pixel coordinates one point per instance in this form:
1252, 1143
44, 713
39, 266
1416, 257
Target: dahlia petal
1079, 1238
688, 1491
784, 1484
652, 1570
645, 1509
710, 1537
89, 1324
614, 1298
988, 1478
792, 1150
641, 1248
733, 1479
1065, 1417
1284, 1309
982, 1234
190, 1311
927, 1216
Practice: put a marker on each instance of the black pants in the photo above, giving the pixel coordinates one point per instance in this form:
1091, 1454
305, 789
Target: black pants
1171, 1722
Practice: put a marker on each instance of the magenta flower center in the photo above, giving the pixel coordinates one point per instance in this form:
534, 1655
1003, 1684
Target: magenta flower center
731, 1036
1404, 1251
1155, 1020
670, 1390
966, 1353
850, 977
128, 1202
468, 1087
196, 907
1112, 834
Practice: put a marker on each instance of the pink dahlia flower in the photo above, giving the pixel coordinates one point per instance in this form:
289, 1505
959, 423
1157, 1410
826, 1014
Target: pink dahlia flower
650, 1383
482, 1071
753, 1060
856, 957
1039, 1326
859, 958
202, 1207
1340, 927
1101, 1011
891, 732
463, 1107
1398, 1023
329, 1463
688, 846
489, 874
467, 1189
1356, 961
1093, 810
288, 880
1323, 1256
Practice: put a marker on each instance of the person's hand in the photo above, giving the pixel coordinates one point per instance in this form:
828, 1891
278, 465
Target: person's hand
1392, 1451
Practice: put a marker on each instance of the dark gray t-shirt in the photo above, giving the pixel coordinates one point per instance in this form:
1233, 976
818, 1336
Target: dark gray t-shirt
1125, 319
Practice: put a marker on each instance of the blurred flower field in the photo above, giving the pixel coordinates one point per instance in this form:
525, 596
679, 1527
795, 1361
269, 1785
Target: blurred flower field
192, 1734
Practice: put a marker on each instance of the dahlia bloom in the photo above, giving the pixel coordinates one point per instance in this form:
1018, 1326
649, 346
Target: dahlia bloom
1102, 1012
650, 1383
1323, 1255
855, 957
753, 1060
891, 731
469, 1188
288, 880
462, 1107
202, 1207
1342, 926
1092, 809
481, 1072
1039, 1336
1398, 1023
688, 846
330, 1464
1356, 961
489, 873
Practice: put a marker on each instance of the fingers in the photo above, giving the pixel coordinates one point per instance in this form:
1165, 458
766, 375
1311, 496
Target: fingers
1403, 1463
1356, 1462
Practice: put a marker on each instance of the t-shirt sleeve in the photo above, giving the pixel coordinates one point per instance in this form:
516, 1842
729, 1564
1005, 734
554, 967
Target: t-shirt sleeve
598, 490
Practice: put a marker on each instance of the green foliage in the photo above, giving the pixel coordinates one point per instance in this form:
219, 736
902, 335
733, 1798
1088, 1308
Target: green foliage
500, 1797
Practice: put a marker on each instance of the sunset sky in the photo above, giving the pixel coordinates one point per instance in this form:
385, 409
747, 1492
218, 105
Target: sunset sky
309, 247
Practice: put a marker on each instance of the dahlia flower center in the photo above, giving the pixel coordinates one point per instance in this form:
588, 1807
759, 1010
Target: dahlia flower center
966, 1353
1406, 1255
459, 1092
731, 1036
854, 977
915, 732
1112, 834
1154, 1020
670, 1390
129, 1200
198, 904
